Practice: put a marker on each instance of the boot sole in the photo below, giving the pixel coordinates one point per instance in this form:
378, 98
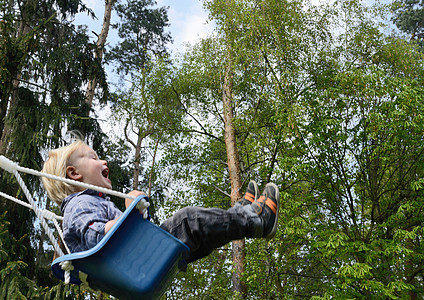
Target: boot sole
277, 200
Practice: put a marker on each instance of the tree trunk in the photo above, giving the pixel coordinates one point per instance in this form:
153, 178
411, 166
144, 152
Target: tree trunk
149, 191
101, 41
137, 160
16, 74
238, 249
6, 87
142, 133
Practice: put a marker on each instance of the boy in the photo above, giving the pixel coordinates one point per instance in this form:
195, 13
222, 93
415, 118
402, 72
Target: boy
89, 215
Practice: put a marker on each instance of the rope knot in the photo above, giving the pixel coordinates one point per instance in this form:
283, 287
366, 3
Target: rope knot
7, 164
67, 267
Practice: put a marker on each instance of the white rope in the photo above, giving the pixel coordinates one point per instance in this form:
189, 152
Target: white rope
9, 165
15, 200
67, 266
47, 214
13, 168
60, 232
38, 213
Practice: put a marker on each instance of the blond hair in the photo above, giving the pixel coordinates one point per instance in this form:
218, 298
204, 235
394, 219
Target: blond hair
56, 164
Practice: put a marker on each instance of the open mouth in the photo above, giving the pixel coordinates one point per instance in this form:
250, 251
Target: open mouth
105, 173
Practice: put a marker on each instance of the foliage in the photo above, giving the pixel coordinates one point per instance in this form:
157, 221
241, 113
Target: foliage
326, 105
45, 63
213, 279
359, 141
330, 109
15, 281
408, 16
142, 33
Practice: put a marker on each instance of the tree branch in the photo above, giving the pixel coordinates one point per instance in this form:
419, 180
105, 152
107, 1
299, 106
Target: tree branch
204, 131
221, 191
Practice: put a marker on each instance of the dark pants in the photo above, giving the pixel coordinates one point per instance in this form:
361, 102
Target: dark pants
204, 229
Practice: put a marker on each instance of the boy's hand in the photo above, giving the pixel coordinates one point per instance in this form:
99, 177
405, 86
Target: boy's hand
142, 205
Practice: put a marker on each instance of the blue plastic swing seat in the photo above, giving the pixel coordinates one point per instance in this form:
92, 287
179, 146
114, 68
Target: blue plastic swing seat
135, 259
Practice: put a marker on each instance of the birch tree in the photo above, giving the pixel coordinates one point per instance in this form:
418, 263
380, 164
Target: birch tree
142, 30
99, 50
233, 162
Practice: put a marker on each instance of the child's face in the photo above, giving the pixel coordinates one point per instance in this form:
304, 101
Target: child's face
88, 168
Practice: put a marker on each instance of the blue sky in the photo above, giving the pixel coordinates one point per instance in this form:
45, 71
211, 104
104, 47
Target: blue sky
188, 24
188, 21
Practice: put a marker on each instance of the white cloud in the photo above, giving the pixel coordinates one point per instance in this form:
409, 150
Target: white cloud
194, 28
188, 22
93, 4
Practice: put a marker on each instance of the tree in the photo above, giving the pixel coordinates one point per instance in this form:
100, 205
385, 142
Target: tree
233, 159
359, 161
255, 128
143, 37
328, 107
100, 48
45, 65
150, 113
409, 18
143, 46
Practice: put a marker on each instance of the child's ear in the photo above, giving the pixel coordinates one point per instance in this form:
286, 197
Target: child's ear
72, 173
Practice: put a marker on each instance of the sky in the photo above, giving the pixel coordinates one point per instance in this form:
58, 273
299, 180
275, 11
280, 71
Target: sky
188, 24
187, 18
189, 21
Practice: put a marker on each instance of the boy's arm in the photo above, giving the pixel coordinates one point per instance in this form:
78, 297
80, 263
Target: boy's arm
128, 201
109, 225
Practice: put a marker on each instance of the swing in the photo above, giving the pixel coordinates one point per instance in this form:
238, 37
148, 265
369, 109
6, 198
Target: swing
135, 259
